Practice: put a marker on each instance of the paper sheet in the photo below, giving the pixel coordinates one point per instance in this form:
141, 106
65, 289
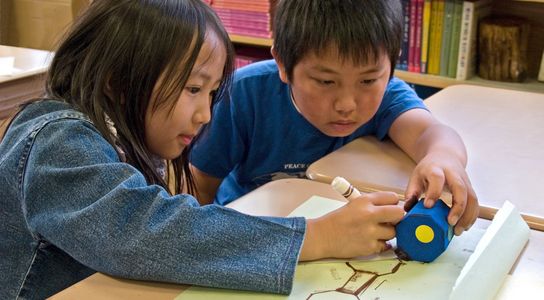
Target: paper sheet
374, 279
521, 287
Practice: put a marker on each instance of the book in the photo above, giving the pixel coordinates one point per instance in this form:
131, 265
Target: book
403, 59
425, 35
412, 35
253, 18
455, 33
437, 16
447, 22
473, 11
417, 45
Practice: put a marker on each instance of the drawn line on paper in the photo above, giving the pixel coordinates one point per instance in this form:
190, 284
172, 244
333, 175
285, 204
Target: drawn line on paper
359, 282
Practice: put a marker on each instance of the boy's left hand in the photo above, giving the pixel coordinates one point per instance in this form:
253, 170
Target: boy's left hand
431, 175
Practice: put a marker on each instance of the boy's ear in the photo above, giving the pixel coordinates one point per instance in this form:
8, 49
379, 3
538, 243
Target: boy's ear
281, 66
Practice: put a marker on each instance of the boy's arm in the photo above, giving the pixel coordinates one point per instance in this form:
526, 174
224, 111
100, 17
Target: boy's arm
207, 185
441, 160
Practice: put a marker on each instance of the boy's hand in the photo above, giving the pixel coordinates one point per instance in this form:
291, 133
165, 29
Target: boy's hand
431, 175
359, 228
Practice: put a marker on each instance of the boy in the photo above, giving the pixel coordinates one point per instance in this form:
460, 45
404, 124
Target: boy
330, 82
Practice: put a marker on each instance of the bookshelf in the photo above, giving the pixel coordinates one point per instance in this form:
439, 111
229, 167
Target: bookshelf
532, 11
531, 85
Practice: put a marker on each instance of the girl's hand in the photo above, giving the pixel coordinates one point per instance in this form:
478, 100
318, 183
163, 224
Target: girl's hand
431, 175
359, 228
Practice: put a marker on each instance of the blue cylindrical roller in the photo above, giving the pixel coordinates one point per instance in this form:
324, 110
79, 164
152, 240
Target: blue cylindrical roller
424, 233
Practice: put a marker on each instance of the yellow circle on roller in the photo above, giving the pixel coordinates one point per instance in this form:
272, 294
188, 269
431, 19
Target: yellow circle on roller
424, 234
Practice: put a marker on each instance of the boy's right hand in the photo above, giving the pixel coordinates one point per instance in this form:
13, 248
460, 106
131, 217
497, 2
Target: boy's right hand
359, 228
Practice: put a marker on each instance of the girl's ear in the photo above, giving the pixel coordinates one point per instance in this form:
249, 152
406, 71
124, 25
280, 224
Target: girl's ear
109, 91
281, 66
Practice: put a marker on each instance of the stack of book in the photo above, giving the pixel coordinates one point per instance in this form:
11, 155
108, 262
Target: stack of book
249, 55
440, 36
249, 18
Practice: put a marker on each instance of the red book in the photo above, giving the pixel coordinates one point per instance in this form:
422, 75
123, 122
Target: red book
417, 46
412, 34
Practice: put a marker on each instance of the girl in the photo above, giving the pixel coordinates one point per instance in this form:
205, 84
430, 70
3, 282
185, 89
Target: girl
83, 180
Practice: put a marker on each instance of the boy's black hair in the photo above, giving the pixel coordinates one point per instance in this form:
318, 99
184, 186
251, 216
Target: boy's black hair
360, 30
114, 55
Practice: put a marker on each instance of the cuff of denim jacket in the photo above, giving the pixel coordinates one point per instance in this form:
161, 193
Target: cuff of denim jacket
292, 254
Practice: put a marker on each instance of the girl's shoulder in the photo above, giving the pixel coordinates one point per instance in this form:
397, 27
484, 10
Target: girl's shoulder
50, 126
48, 109
37, 115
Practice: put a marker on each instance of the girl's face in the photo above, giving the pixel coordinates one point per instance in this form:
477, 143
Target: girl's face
169, 132
334, 95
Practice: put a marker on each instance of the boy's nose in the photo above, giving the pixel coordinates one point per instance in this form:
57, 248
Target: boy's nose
345, 104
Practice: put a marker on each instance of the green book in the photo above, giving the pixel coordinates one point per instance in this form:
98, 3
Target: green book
446, 37
455, 35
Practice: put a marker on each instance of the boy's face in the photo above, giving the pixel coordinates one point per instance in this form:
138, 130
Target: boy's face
336, 96
169, 132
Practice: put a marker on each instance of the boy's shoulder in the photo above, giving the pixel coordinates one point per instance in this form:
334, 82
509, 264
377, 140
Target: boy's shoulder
261, 69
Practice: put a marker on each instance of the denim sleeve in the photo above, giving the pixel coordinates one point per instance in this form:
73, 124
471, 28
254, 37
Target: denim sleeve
79, 197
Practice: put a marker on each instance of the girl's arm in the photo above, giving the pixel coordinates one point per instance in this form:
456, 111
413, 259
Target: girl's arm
79, 197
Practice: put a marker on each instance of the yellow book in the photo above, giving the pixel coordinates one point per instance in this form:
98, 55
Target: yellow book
437, 16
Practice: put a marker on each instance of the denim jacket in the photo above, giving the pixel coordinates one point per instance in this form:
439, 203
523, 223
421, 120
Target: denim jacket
70, 207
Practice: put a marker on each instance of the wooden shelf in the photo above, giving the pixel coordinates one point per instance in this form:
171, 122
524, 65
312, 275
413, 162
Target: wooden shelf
442, 82
250, 40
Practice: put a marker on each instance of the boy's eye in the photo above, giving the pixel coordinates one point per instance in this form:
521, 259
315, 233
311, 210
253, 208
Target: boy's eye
368, 81
325, 82
193, 89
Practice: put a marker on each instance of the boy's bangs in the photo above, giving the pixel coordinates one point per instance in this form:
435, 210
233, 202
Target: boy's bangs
360, 55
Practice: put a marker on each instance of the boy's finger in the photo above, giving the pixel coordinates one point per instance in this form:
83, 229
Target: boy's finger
413, 191
459, 203
434, 189
410, 202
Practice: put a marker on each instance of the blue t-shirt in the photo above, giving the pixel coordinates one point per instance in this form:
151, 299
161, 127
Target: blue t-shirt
258, 135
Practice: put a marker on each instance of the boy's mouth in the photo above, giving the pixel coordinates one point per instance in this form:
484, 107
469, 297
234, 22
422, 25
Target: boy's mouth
343, 126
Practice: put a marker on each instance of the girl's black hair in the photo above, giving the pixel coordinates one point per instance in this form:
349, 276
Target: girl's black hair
110, 61
361, 30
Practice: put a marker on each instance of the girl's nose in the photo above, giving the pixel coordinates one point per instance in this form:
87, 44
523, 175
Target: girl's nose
203, 115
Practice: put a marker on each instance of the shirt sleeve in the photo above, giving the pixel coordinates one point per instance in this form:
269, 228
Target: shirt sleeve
79, 197
399, 97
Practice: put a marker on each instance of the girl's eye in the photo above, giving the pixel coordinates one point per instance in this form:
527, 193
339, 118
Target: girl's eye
368, 81
193, 90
